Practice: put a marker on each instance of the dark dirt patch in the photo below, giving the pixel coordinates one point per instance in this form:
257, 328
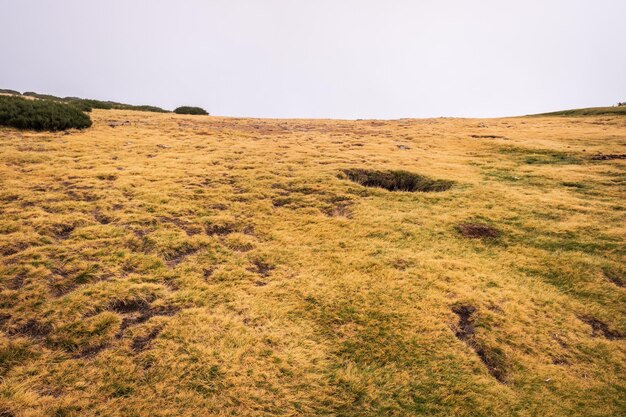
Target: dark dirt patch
465, 330
140, 318
91, 351
599, 329
102, 218
65, 278
33, 329
107, 177
188, 227
477, 231
17, 281
261, 267
402, 264
172, 261
141, 342
560, 361
221, 229
281, 201
129, 306
62, 231
397, 180
81, 195
13, 247
341, 208
487, 137
207, 273
4, 318
6, 413
493, 363
137, 311
608, 157
614, 276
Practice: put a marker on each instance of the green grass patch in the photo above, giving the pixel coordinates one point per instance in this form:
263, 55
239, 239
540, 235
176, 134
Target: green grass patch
539, 156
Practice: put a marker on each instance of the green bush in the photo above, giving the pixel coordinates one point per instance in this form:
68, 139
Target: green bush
40, 114
8, 91
121, 106
87, 104
42, 96
190, 110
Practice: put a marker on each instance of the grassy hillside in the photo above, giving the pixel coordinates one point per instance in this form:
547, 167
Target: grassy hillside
592, 111
162, 264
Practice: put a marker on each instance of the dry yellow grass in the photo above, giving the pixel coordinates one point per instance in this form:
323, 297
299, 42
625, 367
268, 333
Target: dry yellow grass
161, 265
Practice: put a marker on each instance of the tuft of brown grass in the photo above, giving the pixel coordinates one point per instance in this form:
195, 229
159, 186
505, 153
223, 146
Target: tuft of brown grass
180, 265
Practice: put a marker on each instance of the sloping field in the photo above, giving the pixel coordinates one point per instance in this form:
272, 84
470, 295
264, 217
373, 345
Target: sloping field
169, 265
591, 111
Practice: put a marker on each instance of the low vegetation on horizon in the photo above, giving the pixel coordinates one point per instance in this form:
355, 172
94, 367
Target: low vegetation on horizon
30, 110
620, 109
170, 265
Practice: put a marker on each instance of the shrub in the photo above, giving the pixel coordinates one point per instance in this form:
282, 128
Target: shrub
7, 91
42, 96
191, 110
87, 104
621, 104
40, 114
121, 106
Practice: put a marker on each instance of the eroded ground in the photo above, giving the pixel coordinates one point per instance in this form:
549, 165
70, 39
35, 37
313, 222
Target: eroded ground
159, 265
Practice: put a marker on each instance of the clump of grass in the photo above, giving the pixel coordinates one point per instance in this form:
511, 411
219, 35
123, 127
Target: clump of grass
40, 115
191, 110
396, 180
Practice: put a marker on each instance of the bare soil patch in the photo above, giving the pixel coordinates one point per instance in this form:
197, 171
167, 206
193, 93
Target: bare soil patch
607, 157
601, 329
477, 231
465, 331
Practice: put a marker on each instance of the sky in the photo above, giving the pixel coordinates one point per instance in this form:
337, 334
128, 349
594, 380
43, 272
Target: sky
344, 59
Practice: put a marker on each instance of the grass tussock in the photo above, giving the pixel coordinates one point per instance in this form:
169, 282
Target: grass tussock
221, 266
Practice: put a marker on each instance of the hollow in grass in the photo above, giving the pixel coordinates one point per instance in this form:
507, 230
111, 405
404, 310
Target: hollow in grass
397, 180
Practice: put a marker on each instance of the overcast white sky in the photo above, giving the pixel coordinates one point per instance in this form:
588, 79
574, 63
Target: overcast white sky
321, 58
